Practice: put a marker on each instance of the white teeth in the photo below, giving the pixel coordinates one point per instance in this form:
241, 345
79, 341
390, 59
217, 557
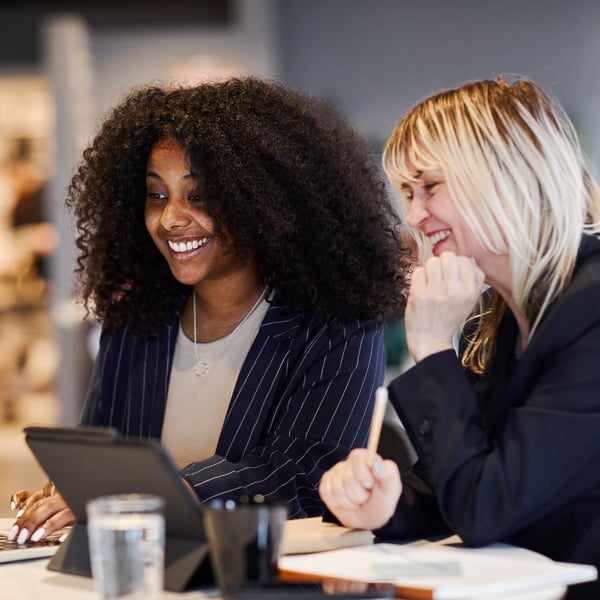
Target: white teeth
187, 246
439, 236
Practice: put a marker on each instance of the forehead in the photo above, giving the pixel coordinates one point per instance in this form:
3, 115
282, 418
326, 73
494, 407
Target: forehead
166, 146
413, 158
167, 154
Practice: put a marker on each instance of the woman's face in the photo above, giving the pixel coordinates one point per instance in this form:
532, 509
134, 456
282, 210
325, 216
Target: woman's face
433, 211
178, 223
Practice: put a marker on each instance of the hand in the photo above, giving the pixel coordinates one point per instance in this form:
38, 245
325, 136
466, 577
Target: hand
40, 514
361, 496
442, 295
341, 586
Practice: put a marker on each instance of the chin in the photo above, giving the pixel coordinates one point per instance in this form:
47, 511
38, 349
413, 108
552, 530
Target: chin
185, 278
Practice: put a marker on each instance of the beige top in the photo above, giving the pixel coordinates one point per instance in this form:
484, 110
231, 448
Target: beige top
197, 404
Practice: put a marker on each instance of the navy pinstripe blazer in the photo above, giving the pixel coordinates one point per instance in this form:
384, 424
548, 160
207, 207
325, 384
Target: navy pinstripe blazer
302, 400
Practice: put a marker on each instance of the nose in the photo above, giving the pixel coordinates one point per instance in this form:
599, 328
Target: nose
174, 214
417, 213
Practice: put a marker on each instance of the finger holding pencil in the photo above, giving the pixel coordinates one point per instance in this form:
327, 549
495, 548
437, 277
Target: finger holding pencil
381, 400
363, 490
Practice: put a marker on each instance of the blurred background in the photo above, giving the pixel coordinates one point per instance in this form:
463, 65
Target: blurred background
63, 64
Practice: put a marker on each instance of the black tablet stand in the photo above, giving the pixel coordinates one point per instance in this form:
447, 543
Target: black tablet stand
187, 562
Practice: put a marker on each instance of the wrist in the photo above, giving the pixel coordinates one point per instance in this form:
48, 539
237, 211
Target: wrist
423, 350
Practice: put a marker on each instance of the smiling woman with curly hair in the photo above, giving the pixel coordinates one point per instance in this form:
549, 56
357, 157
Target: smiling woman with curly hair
239, 248
284, 176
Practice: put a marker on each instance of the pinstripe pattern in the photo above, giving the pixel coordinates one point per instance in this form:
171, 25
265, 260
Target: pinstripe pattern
302, 400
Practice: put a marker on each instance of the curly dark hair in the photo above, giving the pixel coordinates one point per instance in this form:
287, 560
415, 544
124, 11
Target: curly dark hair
282, 172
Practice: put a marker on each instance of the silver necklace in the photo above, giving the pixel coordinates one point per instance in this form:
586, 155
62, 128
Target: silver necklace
203, 368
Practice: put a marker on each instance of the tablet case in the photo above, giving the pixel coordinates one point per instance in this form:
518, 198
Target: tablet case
86, 462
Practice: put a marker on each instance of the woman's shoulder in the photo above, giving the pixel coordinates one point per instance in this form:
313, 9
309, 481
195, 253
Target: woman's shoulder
588, 246
286, 310
586, 275
307, 327
577, 310
129, 334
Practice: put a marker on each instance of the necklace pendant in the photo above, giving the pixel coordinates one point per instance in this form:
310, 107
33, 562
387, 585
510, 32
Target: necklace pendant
201, 369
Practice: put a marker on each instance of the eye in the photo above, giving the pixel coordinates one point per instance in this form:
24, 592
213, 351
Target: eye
155, 195
406, 192
430, 186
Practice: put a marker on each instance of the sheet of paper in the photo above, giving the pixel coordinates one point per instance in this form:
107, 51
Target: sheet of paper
496, 571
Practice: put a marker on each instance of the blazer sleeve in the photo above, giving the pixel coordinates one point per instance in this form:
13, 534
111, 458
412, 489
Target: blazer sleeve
321, 411
543, 450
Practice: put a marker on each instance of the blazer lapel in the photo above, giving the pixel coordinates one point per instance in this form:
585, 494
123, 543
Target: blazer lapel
258, 383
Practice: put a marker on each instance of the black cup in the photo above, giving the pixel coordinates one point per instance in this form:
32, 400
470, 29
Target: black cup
245, 541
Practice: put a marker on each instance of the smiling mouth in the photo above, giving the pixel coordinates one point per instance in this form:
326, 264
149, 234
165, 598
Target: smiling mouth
189, 246
439, 236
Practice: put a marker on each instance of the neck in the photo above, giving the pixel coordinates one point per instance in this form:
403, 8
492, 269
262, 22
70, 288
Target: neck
522, 321
523, 325
497, 275
220, 312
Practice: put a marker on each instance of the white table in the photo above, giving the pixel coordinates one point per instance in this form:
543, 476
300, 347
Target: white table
31, 580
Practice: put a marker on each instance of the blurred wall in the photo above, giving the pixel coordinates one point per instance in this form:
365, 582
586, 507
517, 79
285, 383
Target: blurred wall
125, 56
376, 58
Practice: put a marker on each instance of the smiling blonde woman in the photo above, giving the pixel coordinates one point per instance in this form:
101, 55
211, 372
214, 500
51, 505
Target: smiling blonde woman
495, 188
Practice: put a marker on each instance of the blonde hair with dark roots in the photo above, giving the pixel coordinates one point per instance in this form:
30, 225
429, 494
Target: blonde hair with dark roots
517, 175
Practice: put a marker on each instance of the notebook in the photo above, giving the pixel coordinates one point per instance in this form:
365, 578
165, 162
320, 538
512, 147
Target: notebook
86, 462
312, 534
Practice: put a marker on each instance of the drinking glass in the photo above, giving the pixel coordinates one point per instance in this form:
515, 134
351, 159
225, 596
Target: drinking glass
126, 540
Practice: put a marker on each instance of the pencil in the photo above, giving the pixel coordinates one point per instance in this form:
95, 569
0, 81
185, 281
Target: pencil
381, 398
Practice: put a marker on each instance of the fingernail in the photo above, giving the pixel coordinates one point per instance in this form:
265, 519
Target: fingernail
367, 485
37, 535
379, 467
23, 536
21, 511
63, 537
13, 505
13, 533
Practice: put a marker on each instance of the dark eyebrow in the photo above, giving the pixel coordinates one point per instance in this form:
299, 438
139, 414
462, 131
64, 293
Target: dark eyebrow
153, 175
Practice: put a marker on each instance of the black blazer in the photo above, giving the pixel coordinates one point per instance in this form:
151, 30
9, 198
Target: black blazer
514, 456
302, 400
